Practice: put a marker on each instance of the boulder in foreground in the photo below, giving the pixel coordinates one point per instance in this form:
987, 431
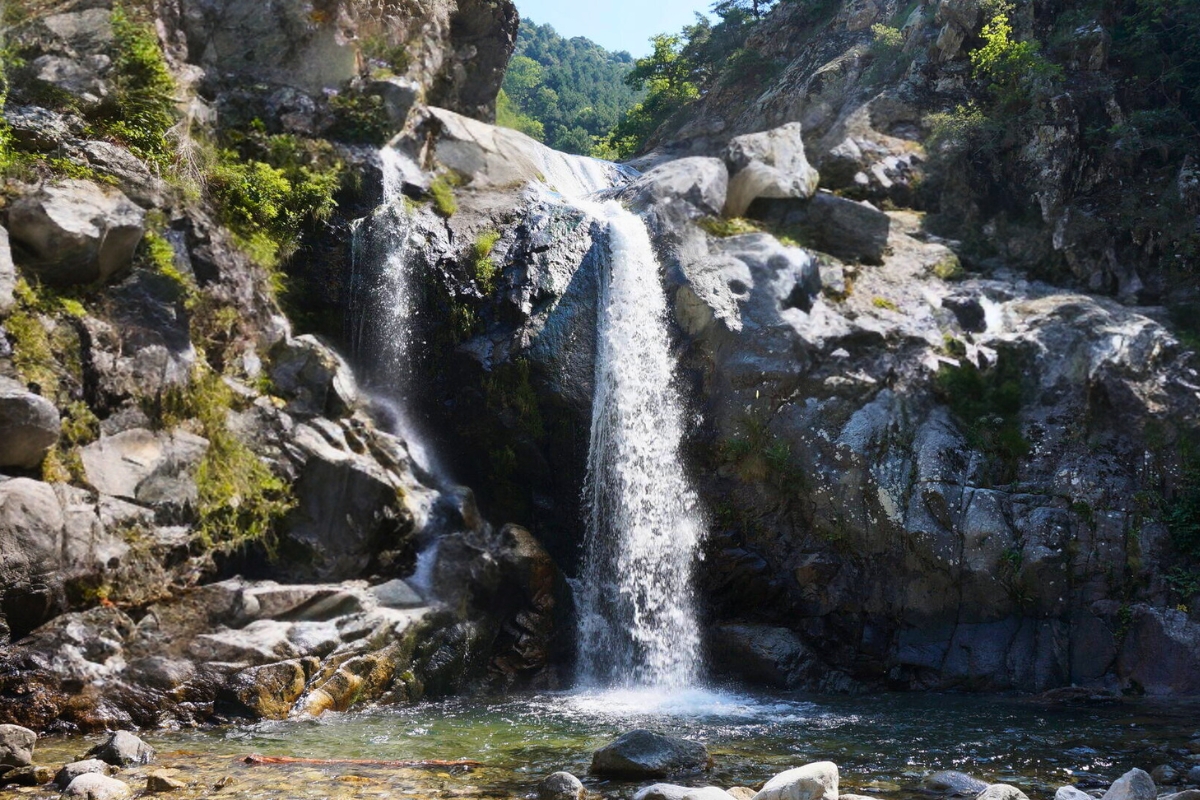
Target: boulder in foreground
646, 754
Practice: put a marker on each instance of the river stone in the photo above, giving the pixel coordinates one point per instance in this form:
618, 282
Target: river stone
398, 594
29, 426
8, 273
76, 231
1164, 775
954, 783
16, 746
770, 164
646, 754
162, 781
1187, 794
30, 776
123, 749
818, 781
94, 786
73, 770
707, 793
1071, 793
1133, 785
745, 793
662, 791
1002, 791
561, 786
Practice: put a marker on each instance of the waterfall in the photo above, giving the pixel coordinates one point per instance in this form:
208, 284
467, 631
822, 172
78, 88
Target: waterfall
384, 309
635, 597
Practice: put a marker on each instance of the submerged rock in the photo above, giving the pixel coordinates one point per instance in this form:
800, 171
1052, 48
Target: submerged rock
561, 786
1164, 774
123, 749
30, 776
954, 783
162, 781
16, 746
818, 781
646, 754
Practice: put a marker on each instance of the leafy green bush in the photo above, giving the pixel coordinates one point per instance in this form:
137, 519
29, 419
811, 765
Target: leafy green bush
1016, 71
360, 118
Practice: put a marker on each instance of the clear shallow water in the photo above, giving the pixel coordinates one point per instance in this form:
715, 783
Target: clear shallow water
883, 744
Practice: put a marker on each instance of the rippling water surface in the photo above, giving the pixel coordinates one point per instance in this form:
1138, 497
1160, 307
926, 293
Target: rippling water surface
883, 744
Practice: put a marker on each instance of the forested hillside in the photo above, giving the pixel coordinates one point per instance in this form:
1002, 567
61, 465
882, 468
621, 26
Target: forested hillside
568, 93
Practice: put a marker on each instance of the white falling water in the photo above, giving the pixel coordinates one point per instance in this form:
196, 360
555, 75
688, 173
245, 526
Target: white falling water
385, 312
635, 597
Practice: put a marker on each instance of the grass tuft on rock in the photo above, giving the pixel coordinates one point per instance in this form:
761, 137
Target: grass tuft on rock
724, 228
483, 267
442, 193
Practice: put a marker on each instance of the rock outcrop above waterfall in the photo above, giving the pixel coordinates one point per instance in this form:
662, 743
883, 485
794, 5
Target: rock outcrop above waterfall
165, 428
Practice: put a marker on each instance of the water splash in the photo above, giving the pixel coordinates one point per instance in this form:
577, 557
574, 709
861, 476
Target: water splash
636, 609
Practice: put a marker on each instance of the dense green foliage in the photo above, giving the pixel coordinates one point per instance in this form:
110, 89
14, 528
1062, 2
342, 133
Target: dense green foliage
565, 92
142, 108
684, 66
268, 187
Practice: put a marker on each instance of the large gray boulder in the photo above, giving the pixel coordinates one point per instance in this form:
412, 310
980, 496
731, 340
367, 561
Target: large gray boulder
8, 273
76, 231
699, 182
1133, 785
29, 426
646, 754
146, 467
123, 749
771, 164
848, 229
313, 378
561, 786
16, 746
94, 786
818, 781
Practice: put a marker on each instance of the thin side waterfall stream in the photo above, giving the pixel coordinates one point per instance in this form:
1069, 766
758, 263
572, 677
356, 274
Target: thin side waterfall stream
637, 625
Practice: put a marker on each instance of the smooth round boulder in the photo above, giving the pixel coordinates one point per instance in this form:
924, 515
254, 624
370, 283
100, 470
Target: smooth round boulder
957, 784
741, 793
561, 786
29, 426
818, 781
662, 791
646, 754
16, 746
71, 771
123, 749
94, 786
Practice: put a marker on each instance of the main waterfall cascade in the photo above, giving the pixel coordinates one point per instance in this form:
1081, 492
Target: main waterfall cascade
635, 599
637, 625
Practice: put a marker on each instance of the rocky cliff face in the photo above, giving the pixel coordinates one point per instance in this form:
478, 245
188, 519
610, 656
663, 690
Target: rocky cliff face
164, 427
923, 470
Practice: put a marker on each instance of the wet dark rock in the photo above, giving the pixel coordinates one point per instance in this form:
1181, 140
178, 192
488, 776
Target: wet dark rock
646, 754
1164, 775
30, 776
957, 784
161, 781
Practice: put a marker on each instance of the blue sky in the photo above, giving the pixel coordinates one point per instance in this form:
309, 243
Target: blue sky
613, 24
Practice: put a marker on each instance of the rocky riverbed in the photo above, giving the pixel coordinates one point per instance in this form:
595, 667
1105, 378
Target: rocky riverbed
623, 745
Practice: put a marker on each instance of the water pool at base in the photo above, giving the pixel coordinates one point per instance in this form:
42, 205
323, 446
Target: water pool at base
883, 744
